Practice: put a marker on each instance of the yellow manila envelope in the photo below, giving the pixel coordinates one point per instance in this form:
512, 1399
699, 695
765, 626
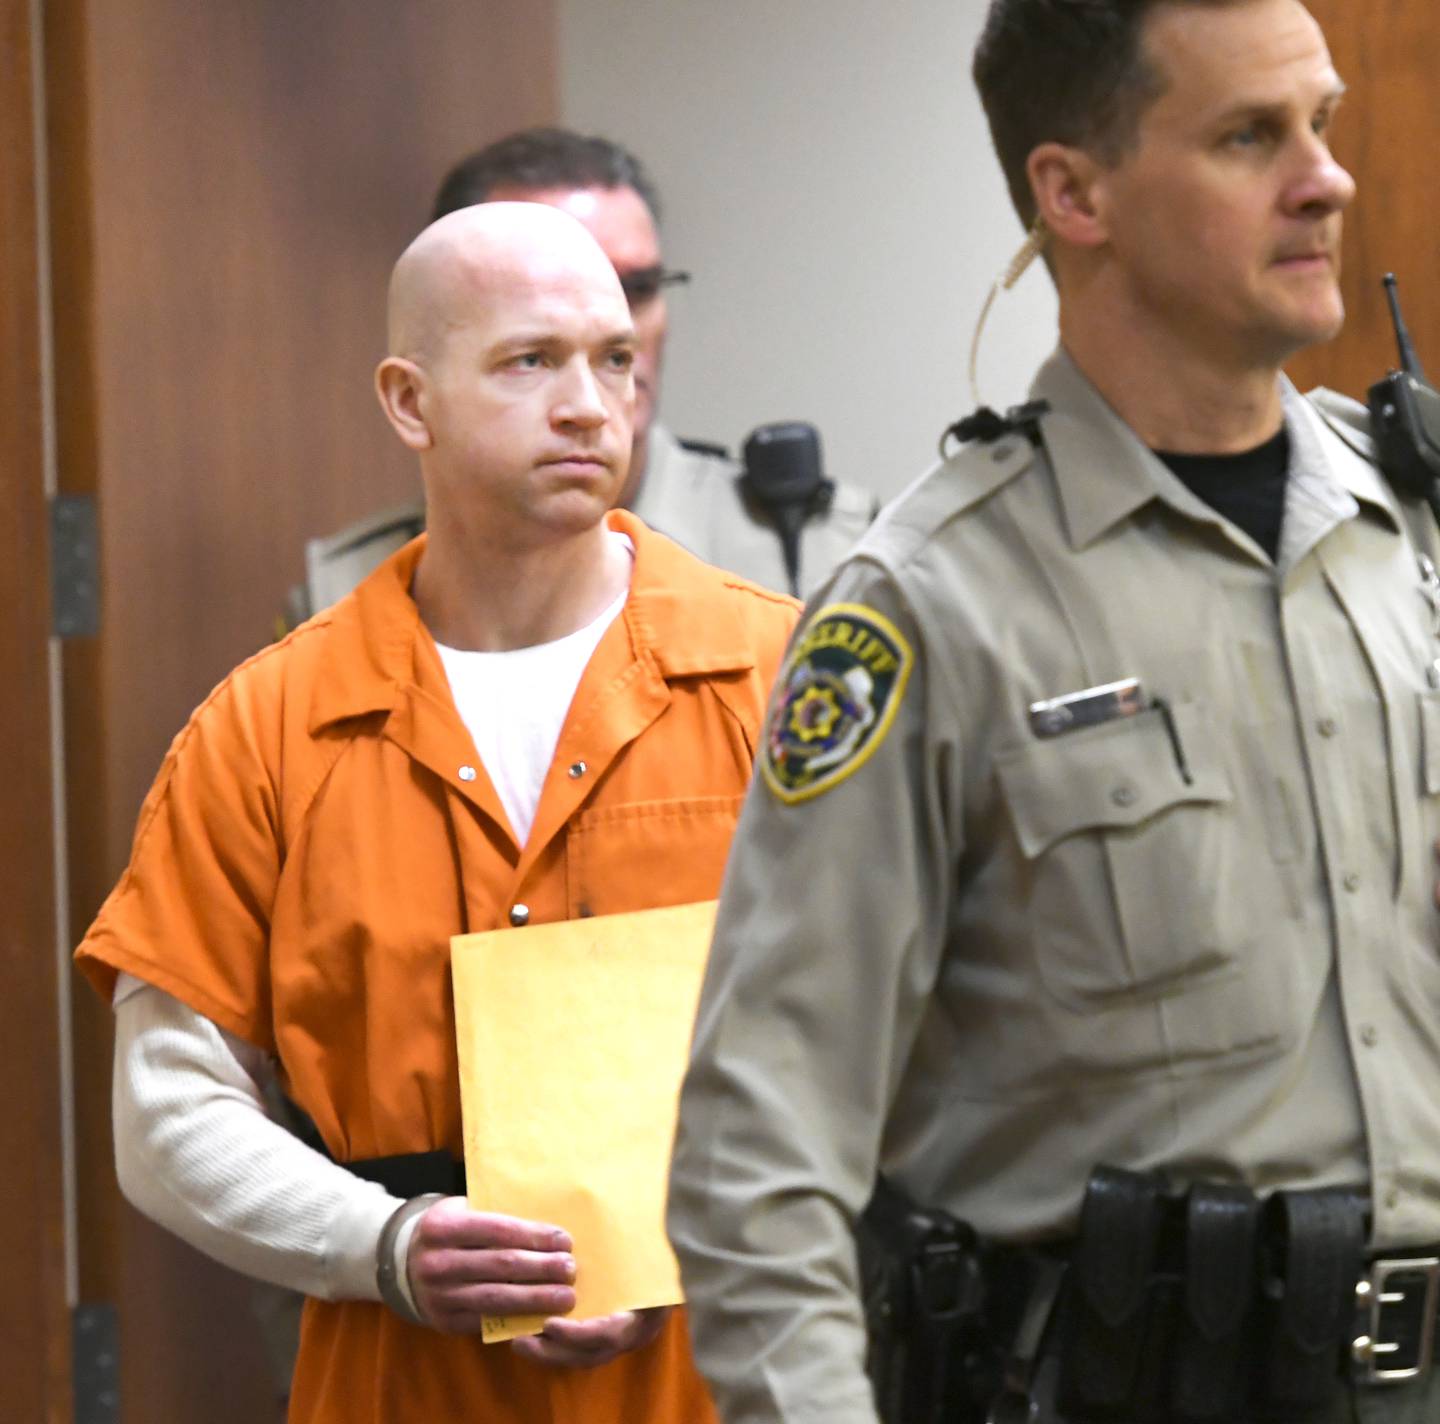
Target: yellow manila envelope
573, 1038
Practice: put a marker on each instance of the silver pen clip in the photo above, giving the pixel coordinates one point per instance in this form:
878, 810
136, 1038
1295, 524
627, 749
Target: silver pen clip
1093, 705
1086, 708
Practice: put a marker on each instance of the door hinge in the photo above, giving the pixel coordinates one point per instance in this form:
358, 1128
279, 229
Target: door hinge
95, 1349
74, 566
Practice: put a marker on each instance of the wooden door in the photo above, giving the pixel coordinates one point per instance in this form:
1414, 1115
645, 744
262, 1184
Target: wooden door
34, 1319
230, 184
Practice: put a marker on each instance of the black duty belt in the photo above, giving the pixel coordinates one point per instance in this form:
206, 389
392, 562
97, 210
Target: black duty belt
1196, 1307
1212, 1303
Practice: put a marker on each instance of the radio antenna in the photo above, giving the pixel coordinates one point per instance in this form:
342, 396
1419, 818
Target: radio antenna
1409, 361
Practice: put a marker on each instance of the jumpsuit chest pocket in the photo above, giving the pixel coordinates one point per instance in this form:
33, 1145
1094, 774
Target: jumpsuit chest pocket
648, 854
1139, 900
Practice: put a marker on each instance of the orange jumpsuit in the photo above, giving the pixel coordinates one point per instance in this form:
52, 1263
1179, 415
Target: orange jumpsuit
311, 844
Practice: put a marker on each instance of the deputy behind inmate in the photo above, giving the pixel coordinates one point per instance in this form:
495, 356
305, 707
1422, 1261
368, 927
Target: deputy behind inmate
1193, 932
692, 492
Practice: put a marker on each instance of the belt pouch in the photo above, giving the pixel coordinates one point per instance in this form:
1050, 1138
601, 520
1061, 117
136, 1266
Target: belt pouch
1208, 1379
1314, 1244
1108, 1302
921, 1288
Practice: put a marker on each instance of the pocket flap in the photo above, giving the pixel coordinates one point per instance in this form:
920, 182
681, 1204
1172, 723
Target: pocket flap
1117, 774
648, 854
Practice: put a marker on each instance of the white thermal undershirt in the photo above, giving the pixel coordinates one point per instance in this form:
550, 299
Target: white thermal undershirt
195, 1151
513, 704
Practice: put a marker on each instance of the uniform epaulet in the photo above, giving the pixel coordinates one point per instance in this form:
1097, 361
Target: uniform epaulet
335, 563
975, 471
1348, 419
995, 451
705, 447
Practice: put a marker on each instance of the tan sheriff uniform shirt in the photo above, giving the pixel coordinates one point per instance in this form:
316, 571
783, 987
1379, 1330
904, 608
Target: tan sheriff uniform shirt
985, 960
695, 498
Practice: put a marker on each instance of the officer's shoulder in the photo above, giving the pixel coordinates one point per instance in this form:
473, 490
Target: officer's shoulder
1347, 418
704, 448
336, 563
703, 459
957, 488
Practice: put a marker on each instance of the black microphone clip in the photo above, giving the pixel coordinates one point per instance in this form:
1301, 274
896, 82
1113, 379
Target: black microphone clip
784, 478
988, 426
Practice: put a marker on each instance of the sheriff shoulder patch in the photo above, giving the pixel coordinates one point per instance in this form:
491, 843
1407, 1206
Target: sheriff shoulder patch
837, 696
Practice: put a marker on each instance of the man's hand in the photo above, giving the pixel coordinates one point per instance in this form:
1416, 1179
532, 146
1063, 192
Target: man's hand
467, 1264
581, 1344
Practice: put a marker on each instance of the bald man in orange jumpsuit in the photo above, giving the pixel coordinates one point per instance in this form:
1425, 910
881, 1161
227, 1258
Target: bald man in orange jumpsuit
344, 803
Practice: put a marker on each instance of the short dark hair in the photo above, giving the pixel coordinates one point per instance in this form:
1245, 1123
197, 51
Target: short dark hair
542, 158
1068, 71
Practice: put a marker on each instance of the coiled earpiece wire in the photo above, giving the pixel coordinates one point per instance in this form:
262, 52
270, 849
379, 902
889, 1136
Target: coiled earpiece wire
1032, 247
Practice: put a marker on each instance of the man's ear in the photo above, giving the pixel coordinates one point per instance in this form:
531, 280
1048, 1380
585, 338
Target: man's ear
400, 385
1065, 183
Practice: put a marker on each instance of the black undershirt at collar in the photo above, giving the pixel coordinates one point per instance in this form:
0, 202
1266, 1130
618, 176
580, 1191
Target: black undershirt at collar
1248, 488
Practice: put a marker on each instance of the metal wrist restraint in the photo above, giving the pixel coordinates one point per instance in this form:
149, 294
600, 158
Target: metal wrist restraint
387, 1271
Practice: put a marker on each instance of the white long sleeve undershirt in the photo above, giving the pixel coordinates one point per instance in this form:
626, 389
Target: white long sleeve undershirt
196, 1152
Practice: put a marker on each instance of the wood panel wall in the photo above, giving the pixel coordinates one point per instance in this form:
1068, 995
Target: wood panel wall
34, 1321
1387, 135
231, 186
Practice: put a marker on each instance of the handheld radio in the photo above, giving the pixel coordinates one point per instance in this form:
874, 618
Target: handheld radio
1405, 417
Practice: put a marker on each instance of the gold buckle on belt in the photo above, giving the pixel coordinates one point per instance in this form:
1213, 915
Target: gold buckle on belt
1390, 1283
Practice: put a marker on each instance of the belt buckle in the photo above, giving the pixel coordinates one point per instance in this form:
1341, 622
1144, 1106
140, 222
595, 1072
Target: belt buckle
1381, 1360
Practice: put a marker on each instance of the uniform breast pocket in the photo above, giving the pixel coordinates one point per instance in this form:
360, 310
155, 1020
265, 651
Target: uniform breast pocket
649, 854
1137, 885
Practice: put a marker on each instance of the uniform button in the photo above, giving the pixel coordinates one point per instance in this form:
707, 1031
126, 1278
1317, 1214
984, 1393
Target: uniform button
1369, 1035
1001, 453
1351, 881
467, 773
1392, 1199
1327, 726
519, 915
577, 770
1124, 794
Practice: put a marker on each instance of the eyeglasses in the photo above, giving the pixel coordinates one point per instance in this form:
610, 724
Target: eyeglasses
644, 284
